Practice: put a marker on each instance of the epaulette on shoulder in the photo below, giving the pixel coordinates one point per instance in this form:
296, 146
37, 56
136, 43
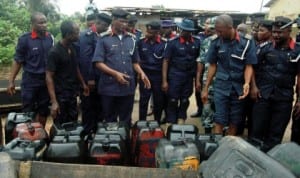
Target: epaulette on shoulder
214, 37
247, 36
174, 38
196, 37
89, 32
105, 33
25, 34
264, 44
142, 37
163, 39
131, 34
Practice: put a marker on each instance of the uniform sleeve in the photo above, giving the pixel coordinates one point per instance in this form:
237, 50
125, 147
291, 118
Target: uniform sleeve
99, 54
211, 56
135, 55
168, 51
251, 57
21, 48
51, 61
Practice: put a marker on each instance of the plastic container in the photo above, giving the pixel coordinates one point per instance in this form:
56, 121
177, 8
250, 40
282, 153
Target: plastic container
287, 154
177, 154
237, 158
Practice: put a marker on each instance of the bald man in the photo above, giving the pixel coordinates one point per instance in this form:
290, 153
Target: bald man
230, 57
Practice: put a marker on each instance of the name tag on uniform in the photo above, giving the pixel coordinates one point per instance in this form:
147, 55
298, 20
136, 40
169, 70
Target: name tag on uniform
144, 49
221, 51
35, 48
181, 48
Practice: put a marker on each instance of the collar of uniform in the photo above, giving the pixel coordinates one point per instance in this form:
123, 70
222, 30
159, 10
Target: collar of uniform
93, 28
157, 40
34, 34
291, 44
237, 36
182, 40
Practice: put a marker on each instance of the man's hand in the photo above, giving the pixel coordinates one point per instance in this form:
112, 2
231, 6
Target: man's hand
164, 86
11, 88
91, 84
255, 93
55, 110
296, 111
204, 95
145, 80
198, 85
245, 91
122, 78
86, 90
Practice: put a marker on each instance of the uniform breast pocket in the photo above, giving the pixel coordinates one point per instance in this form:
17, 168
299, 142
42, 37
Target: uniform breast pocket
34, 57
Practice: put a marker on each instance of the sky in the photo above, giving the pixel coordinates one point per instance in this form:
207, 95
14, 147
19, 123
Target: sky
68, 7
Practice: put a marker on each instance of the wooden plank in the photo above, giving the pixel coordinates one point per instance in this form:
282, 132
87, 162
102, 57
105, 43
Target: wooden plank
55, 170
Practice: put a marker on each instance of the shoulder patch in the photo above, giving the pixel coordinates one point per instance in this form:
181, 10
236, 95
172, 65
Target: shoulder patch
247, 36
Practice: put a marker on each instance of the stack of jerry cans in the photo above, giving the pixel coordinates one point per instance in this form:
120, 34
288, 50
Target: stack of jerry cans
13, 119
237, 158
182, 154
115, 128
66, 144
25, 150
107, 149
287, 154
145, 138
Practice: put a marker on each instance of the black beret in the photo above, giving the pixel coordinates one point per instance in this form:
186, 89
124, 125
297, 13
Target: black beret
281, 21
267, 24
120, 13
153, 25
91, 17
132, 19
104, 17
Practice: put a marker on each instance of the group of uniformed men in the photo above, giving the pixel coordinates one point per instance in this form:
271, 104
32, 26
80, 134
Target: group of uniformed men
106, 65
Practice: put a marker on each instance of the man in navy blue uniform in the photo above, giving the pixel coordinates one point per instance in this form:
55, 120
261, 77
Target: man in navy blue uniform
179, 68
275, 79
116, 56
31, 54
132, 20
168, 29
230, 57
91, 105
151, 49
63, 76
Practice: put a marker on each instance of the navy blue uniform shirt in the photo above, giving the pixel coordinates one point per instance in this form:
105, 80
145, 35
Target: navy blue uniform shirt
151, 54
32, 52
118, 54
182, 54
87, 41
231, 57
276, 70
